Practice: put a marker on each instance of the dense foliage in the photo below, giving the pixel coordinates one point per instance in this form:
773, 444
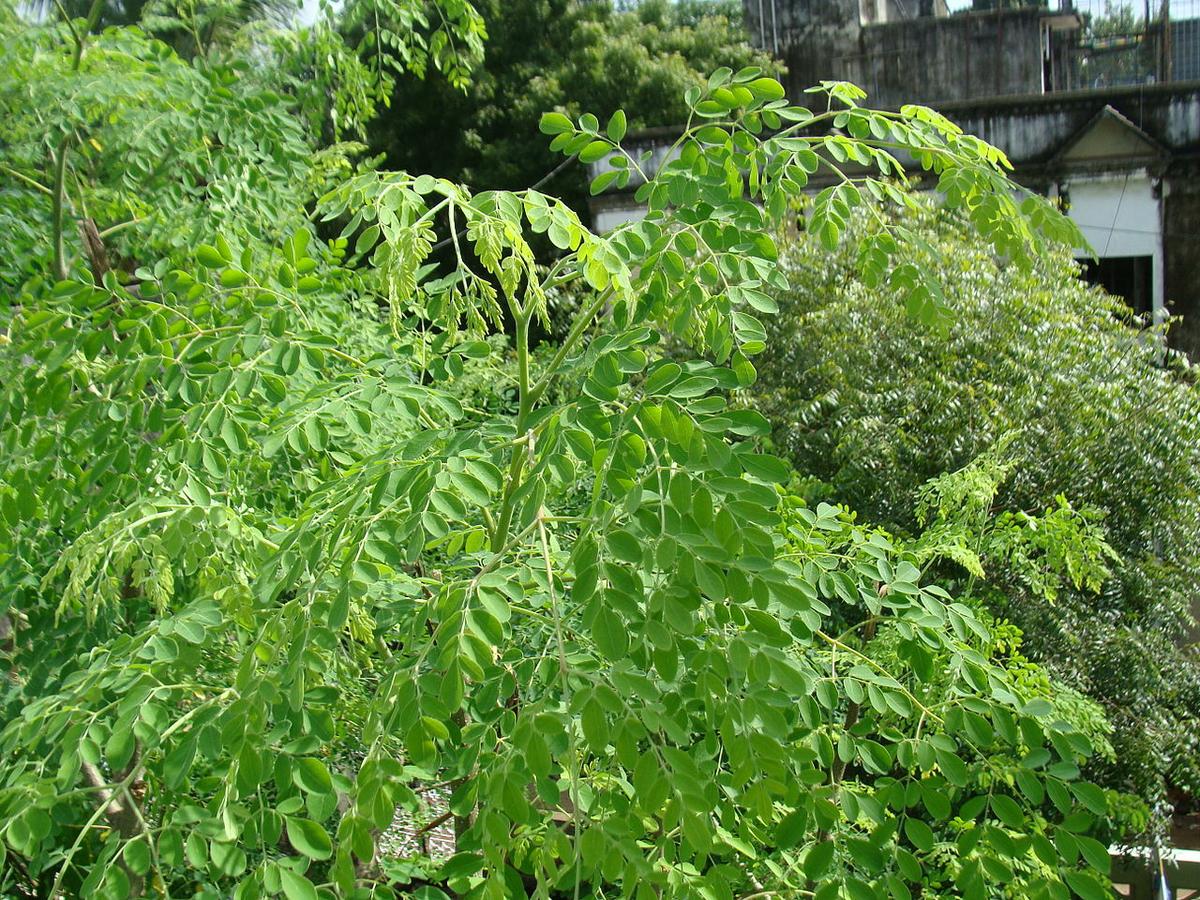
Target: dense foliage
563, 55
300, 530
1084, 412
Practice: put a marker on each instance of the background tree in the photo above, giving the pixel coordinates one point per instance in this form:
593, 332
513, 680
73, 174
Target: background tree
1086, 404
559, 54
190, 26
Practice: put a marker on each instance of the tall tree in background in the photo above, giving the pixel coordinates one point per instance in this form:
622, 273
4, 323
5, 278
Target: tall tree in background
189, 26
566, 55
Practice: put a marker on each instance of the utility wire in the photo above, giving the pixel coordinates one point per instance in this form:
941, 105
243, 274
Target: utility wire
541, 181
1116, 214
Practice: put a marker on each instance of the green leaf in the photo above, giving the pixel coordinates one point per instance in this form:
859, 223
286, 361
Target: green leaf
177, 764
555, 123
1007, 811
137, 856
919, 834
719, 77
661, 377
1085, 885
1038, 707
610, 634
595, 725
196, 850
818, 860
766, 468
791, 829
594, 151
616, 127
296, 887
692, 386
1095, 853
312, 775
766, 89
1091, 796
309, 838
602, 181
170, 847
624, 546
210, 257
119, 747
952, 767
233, 278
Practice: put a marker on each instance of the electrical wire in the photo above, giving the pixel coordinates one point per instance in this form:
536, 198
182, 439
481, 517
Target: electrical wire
541, 181
1116, 215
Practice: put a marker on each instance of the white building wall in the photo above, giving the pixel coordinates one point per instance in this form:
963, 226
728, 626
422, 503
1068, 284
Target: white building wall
1120, 216
605, 220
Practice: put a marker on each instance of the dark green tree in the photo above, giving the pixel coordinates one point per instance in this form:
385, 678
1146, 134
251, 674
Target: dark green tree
561, 55
874, 403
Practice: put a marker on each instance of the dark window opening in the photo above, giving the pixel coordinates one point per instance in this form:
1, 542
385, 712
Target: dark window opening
1128, 277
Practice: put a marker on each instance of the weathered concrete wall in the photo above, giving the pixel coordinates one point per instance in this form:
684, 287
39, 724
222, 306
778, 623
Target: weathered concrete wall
931, 60
898, 54
1181, 240
1009, 76
808, 35
1032, 129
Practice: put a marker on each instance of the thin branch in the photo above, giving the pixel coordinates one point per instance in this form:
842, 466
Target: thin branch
429, 826
60, 161
537, 184
577, 331
120, 226
60, 187
36, 185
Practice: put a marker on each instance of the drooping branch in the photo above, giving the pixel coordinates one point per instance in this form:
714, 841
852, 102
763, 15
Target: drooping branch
60, 193
64, 146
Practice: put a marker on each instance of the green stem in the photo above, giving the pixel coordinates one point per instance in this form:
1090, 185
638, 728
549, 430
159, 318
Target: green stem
576, 333
93, 17
523, 365
564, 673
36, 185
529, 395
113, 229
60, 162
525, 404
60, 189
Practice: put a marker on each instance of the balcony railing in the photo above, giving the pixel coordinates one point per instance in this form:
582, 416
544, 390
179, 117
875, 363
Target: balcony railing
1122, 43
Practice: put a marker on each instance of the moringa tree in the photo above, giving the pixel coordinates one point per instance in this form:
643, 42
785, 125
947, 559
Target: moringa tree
293, 538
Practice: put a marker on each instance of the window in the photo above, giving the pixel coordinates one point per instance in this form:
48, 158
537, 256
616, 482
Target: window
1129, 277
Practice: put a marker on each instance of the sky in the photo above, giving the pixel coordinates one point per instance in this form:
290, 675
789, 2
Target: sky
308, 12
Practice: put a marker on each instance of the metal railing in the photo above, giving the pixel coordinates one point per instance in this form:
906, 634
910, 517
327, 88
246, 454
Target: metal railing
1145, 876
1135, 42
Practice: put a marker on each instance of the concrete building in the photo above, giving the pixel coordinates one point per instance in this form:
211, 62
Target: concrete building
1108, 121
1106, 118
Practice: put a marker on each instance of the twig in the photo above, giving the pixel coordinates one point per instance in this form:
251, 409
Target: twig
429, 826
36, 185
